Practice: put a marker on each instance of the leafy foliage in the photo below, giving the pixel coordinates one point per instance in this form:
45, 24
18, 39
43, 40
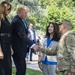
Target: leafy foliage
58, 10
44, 11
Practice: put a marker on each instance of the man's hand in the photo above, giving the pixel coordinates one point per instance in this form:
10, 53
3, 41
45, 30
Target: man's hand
28, 35
36, 48
12, 52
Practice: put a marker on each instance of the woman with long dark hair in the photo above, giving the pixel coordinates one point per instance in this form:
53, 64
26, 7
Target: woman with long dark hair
46, 62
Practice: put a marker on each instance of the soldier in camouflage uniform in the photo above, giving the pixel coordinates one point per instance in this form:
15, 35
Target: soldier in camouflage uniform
66, 50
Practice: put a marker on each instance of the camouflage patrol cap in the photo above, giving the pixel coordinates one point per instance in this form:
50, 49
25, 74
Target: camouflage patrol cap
67, 22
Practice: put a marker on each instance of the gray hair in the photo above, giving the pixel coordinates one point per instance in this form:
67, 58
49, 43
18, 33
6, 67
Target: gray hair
21, 8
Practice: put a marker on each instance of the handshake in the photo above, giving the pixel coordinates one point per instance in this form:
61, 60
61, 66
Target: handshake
48, 51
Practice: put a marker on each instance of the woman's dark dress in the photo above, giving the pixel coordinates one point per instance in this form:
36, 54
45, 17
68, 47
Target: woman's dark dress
5, 31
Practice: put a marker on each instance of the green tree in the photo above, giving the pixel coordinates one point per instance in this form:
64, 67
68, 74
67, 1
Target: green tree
58, 10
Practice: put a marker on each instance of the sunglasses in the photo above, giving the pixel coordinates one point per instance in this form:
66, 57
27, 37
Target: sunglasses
9, 9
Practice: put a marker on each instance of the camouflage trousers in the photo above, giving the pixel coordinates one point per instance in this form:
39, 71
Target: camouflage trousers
66, 73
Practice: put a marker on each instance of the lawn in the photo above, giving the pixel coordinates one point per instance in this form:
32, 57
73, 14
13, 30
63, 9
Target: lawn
29, 72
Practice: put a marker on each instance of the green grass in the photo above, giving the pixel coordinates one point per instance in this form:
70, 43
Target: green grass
29, 72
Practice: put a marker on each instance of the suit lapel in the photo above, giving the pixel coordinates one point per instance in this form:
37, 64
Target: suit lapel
20, 20
26, 29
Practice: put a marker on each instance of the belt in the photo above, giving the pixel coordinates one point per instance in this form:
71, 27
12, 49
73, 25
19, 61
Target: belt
5, 34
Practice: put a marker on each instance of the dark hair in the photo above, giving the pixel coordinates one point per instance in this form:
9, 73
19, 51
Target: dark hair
56, 31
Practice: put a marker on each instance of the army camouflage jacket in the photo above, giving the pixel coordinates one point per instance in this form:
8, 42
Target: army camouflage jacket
66, 51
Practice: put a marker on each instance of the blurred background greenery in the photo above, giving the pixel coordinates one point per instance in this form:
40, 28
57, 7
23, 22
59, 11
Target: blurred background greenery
44, 11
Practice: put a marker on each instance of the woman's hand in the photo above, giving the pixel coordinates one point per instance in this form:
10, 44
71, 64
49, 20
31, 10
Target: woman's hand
40, 65
57, 70
1, 54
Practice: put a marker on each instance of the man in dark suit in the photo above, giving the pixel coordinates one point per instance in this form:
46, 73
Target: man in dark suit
33, 38
20, 40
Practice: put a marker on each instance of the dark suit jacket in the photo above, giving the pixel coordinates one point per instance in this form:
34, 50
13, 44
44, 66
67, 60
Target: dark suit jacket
19, 35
